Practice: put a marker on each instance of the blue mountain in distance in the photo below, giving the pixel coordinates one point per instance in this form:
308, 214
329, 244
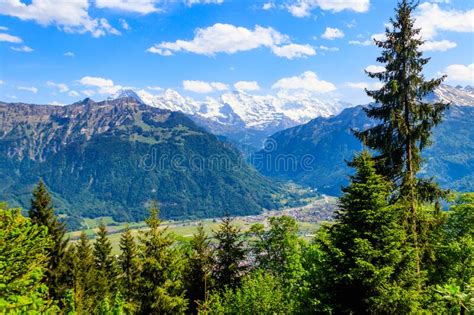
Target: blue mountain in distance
314, 154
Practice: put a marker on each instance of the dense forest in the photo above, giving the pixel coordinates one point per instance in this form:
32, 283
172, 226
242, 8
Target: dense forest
399, 244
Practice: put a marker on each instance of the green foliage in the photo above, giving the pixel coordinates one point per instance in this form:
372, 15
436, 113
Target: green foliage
230, 254
42, 213
197, 277
85, 276
23, 262
259, 293
128, 268
105, 264
160, 286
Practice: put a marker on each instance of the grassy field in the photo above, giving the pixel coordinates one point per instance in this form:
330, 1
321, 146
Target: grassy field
309, 219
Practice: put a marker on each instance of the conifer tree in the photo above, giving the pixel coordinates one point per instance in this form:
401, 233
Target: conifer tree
104, 262
369, 268
160, 285
128, 266
198, 271
230, 255
406, 119
41, 212
84, 276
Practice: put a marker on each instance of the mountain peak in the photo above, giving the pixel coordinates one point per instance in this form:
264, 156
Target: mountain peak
126, 93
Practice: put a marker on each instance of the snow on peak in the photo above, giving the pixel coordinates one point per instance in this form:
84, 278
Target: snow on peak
126, 93
455, 95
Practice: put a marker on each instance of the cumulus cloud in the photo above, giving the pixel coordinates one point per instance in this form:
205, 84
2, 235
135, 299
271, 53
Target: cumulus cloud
124, 24
70, 16
302, 8
154, 88
247, 85
292, 51
136, 6
105, 86
203, 87
375, 69
10, 38
2, 82
433, 19
193, 2
307, 81
3, 28
268, 6
441, 45
227, 38
23, 48
332, 33
31, 89
63, 88
69, 54
325, 48
462, 73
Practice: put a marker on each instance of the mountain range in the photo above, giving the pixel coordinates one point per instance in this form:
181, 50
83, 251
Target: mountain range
114, 157
315, 153
244, 118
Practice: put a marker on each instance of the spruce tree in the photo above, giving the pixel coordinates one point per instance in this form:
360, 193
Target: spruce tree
85, 290
41, 213
198, 271
129, 267
104, 263
406, 119
230, 255
368, 267
160, 285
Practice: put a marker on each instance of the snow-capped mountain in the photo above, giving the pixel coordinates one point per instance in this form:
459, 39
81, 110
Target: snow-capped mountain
234, 112
249, 119
458, 95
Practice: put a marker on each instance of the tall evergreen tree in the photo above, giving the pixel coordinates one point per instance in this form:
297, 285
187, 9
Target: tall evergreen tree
85, 290
406, 119
230, 254
41, 212
129, 268
198, 271
104, 262
160, 280
368, 268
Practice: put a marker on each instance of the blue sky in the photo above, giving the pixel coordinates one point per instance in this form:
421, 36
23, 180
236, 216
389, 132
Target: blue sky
63, 51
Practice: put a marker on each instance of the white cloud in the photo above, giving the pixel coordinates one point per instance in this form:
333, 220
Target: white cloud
63, 88
432, 19
69, 54
369, 42
292, 51
88, 93
302, 8
247, 85
193, 2
441, 45
3, 28
375, 69
307, 81
124, 24
73, 94
203, 87
23, 48
325, 48
31, 89
71, 16
136, 6
2, 82
227, 38
154, 88
268, 6
364, 85
332, 33
105, 86
10, 38
462, 73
